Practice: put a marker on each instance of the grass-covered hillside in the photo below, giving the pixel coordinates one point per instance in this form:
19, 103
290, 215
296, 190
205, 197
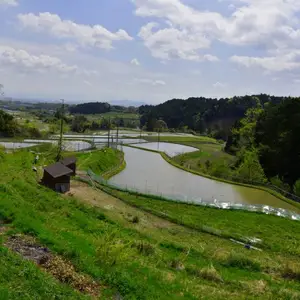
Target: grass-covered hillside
113, 245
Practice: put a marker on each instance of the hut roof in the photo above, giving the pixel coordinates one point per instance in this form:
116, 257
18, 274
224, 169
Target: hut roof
58, 170
69, 160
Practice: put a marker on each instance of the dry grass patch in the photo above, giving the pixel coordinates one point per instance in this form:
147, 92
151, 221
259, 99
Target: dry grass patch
255, 287
288, 294
241, 261
59, 268
66, 273
210, 273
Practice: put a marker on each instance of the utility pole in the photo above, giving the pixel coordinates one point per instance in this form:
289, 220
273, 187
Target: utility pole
158, 137
141, 133
58, 157
108, 135
117, 133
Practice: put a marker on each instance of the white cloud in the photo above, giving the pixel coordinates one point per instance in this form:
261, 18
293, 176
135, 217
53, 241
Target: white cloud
284, 62
154, 82
219, 85
84, 35
172, 43
9, 2
211, 58
87, 83
269, 23
135, 62
25, 61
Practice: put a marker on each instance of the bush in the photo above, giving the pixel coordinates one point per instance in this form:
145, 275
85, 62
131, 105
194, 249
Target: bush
279, 183
177, 264
291, 271
237, 260
136, 220
208, 273
297, 188
250, 168
145, 248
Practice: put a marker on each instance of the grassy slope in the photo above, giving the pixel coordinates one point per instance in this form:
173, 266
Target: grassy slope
236, 224
181, 139
101, 162
21, 279
140, 260
105, 162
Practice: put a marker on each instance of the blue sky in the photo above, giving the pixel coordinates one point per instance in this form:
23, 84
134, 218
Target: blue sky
149, 50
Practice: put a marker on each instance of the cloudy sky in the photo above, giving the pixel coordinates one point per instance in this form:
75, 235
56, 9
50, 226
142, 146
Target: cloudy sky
149, 50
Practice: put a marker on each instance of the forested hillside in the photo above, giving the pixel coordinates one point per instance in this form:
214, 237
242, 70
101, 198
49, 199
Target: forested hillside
90, 108
271, 135
203, 114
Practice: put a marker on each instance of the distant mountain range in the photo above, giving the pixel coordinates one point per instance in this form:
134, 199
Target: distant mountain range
125, 103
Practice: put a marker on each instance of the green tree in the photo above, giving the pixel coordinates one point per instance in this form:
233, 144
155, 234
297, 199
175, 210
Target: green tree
79, 124
279, 183
277, 134
160, 126
297, 188
8, 126
250, 168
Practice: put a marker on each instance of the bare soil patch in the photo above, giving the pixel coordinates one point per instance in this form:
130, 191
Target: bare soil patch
53, 264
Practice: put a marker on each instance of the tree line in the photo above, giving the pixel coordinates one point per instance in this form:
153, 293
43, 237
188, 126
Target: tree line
93, 108
270, 137
204, 115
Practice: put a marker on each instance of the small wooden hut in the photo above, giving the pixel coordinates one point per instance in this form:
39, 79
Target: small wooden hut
57, 177
70, 162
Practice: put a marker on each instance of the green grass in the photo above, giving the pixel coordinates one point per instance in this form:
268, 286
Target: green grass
227, 224
20, 279
181, 139
102, 162
142, 260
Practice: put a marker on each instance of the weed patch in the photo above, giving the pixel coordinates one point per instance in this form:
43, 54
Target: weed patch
59, 268
237, 260
291, 271
145, 248
207, 273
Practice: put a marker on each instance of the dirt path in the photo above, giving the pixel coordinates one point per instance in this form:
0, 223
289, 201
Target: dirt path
148, 224
116, 208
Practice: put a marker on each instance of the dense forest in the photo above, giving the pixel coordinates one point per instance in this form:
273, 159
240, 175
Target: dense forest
93, 108
90, 108
204, 115
271, 136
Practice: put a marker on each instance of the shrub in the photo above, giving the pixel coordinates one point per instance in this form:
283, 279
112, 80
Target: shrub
279, 183
209, 273
250, 169
237, 260
135, 220
145, 248
297, 188
291, 271
177, 264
